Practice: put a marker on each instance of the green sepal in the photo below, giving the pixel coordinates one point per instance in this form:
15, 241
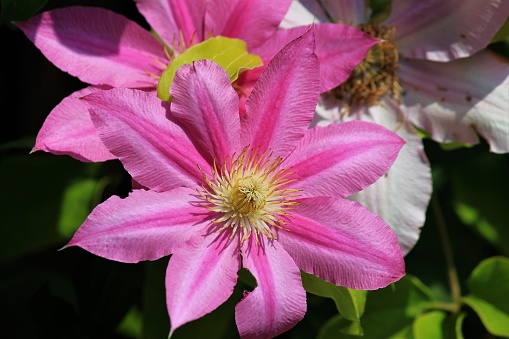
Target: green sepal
231, 54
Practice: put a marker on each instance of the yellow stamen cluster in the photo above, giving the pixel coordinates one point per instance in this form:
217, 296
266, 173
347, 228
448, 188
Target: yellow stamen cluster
250, 194
376, 75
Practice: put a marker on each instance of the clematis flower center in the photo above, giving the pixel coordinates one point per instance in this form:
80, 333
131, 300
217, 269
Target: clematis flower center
376, 76
250, 195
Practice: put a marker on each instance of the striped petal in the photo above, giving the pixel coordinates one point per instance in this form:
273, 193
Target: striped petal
281, 105
69, 130
201, 276
179, 23
133, 125
341, 159
278, 302
342, 242
144, 226
206, 106
98, 46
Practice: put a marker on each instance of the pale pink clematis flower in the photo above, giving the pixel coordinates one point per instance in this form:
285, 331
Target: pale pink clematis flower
260, 191
105, 50
430, 71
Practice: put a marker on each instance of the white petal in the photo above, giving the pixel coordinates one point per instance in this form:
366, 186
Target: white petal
454, 101
400, 197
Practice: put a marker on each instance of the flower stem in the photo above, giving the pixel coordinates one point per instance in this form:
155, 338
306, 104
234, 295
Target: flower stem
449, 258
438, 305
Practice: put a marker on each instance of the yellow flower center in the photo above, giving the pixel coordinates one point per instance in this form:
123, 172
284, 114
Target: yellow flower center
250, 194
376, 75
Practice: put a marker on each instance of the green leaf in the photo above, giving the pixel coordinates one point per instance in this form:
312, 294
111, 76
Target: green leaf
408, 294
391, 311
439, 325
386, 324
231, 54
78, 200
492, 317
337, 326
430, 325
350, 303
489, 294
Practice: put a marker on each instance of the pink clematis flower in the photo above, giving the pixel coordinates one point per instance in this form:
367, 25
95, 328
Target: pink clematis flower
260, 191
430, 71
107, 50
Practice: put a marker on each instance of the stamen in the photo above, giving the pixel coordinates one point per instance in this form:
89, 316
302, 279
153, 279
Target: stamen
250, 196
376, 76
171, 51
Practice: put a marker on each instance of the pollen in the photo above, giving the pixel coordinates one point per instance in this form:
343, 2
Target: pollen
250, 194
376, 76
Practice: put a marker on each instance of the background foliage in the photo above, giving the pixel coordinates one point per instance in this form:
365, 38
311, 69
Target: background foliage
47, 293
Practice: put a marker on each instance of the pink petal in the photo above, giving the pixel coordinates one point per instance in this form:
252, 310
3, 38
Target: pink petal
206, 106
251, 21
341, 159
96, 45
144, 226
201, 276
402, 195
338, 47
443, 30
342, 242
281, 105
279, 300
173, 19
69, 130
456, 100
133, 125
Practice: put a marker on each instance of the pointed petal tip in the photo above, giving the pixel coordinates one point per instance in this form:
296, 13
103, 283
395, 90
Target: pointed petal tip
64, 247
39, 145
